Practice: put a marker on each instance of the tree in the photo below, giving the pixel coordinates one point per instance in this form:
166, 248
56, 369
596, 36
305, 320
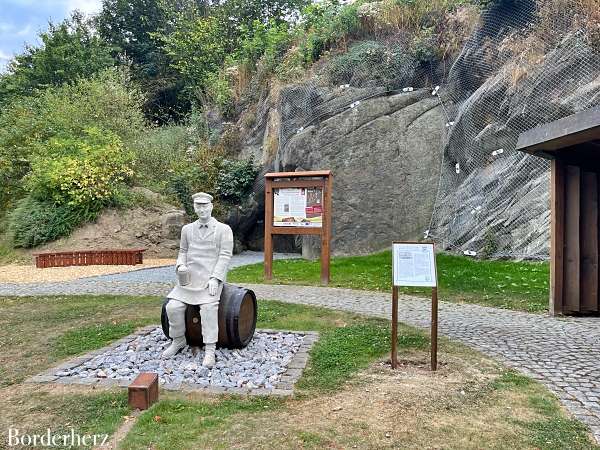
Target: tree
196, 49
237, 15
131, 27
200, 36
69, 50
174, 45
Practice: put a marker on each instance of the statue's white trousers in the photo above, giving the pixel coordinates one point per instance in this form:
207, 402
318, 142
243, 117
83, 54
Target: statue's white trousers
209, 316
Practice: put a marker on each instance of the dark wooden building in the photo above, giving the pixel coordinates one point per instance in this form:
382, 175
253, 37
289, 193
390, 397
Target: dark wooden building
573, 146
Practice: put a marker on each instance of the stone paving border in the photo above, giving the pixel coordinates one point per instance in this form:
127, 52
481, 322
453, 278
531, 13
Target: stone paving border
283, 388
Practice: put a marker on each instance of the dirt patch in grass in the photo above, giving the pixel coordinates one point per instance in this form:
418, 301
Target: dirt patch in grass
459, 406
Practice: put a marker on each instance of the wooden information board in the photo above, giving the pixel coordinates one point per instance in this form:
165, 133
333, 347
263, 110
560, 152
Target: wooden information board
413, 264
298, 203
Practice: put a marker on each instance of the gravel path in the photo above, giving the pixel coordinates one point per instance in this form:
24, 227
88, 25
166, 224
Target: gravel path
562, 353
16, 273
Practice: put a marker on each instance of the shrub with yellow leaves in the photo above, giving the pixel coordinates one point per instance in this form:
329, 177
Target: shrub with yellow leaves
85, 172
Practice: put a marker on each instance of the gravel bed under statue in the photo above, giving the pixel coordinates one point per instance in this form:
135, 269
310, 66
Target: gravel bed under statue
259, 365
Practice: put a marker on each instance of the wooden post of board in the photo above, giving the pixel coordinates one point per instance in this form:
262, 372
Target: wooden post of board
303, 180
434, 328
394, 326
268, 243
326, 231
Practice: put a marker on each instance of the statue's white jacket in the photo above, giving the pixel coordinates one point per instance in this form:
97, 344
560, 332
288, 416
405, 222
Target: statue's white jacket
206, 252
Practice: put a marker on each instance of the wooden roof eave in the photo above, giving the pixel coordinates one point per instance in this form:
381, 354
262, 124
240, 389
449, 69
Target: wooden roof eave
570, 132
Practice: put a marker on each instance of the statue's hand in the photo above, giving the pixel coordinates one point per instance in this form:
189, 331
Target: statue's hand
182, 268
213, 286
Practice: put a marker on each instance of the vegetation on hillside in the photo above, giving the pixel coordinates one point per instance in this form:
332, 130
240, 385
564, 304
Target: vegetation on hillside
140, 93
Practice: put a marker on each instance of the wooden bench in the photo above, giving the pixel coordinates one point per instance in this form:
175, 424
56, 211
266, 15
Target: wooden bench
130, 256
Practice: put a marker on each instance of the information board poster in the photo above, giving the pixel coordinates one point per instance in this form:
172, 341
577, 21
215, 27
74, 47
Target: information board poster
298, 207
414, 265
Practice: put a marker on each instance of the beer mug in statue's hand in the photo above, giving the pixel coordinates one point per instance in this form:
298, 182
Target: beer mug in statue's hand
183, 275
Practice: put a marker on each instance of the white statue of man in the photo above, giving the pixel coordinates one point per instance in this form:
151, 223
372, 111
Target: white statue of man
205, 250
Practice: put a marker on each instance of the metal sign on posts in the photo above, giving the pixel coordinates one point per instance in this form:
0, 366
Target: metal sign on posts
413, 264
298, 203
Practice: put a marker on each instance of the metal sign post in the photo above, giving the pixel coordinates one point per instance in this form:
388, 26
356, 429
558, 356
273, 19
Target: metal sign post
413, 264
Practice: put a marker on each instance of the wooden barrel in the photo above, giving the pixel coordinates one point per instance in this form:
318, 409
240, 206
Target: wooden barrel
237, 318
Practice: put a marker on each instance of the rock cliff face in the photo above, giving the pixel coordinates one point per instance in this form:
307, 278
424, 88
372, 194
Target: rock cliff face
385, 156
498, 202
409, 162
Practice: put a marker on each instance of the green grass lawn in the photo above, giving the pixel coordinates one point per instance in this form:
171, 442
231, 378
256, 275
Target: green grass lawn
62, 326
504, 284
347, 396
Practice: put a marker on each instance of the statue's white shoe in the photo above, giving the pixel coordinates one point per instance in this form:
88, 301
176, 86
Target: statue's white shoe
177, 344
209, 360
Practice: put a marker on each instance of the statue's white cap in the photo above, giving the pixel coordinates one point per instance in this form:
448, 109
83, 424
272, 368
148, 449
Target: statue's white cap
202, 197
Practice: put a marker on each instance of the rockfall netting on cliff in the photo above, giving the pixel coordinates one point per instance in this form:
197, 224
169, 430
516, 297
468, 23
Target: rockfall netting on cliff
523, 64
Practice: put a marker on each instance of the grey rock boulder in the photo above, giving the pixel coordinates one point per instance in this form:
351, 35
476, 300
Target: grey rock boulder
171, 224
385, 156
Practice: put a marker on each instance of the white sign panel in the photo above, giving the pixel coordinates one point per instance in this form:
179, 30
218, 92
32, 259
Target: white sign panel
414, 265
298, 207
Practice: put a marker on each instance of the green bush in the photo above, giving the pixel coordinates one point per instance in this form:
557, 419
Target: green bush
70, 181
425, 46
197, 173
186, 182
219, 93
35, 222
370, 61
157, 151
326, 24
291, 67
84, 173
28, 124
235, 179
269, 40
207, 171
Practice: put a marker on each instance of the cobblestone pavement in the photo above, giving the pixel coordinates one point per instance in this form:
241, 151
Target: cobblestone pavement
562, 353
